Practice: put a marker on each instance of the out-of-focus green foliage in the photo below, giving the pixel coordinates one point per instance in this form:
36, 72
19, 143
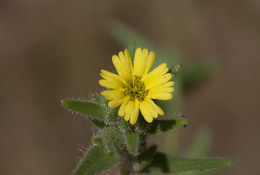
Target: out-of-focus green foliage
95, 161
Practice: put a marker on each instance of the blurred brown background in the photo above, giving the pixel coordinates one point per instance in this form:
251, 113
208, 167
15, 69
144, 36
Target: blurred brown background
55, 49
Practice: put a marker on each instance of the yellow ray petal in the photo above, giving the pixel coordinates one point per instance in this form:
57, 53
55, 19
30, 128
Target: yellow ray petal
129, 110
168, 84
112, 94
145, 112
149, 63
122, 109
111, 76
161, 96
152, 111
155, 106
155, 73
119, 66
126, 63
129, 61
155, 90
140, 60
110, 84
135, 112
158, 81
115, 102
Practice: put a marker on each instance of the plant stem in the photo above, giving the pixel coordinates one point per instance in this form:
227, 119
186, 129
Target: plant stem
125, 165
123, 172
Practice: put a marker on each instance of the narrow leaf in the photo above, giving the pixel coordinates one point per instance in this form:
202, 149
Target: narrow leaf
131, 141
165, 125
94, 110
163, 163
95, 161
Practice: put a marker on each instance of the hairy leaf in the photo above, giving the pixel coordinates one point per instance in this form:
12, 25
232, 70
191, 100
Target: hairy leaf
93, 110
95, 161
163, 163
165, 125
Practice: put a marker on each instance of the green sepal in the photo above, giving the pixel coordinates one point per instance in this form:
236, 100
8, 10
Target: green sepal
145, 158
159, 126
163, 163
131, 141
95, 161
95, 111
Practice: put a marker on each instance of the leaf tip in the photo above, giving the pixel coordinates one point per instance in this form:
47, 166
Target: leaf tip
65, 102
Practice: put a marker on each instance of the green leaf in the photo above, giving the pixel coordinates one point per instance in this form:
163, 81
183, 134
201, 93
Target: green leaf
95, 161
165, 125
100, 124
145, 158
98, 99
93, 110
131, 141
163, 163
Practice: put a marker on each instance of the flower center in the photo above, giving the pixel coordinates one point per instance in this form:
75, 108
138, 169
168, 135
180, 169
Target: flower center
135, 88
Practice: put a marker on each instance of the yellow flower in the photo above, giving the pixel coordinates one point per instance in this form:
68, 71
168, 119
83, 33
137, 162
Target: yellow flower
134, 87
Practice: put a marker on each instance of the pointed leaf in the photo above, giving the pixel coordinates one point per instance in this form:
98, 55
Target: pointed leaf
93, 110
163, 163
131, 141
165, 125
95, 161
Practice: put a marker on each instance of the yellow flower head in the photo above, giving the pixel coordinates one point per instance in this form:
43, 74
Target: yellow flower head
134, 87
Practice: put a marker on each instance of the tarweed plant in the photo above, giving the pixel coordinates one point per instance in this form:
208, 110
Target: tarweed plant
127, 112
